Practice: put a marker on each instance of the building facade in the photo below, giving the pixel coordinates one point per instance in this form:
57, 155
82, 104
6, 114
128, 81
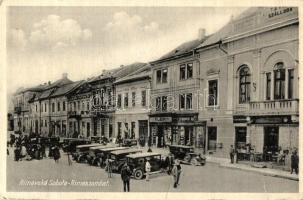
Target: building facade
132, 104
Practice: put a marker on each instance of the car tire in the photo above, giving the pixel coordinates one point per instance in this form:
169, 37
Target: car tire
138, 174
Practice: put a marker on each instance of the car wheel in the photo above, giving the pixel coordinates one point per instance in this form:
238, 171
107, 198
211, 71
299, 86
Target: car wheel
138, 174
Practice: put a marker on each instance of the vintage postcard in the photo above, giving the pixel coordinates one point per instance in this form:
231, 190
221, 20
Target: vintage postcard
142, 100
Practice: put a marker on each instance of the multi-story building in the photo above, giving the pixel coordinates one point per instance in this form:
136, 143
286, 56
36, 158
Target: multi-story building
132, 104
175, 96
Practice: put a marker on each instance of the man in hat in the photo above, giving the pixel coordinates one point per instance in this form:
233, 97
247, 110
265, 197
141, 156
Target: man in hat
175, 174
125, 176
147, 168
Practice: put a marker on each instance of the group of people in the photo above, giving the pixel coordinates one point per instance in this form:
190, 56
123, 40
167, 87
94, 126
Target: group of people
282, 156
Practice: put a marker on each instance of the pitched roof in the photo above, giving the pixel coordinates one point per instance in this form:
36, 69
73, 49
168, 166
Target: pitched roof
60, 82
141, 73
63, 89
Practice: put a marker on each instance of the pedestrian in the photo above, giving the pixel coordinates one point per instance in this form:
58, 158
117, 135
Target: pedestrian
174, 173
179, 171
108, 167
231, 153
125, 176
294, 162
69, 160
147, 169
56, 154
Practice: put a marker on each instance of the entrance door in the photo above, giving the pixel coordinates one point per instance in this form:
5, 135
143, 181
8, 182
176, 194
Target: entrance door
271, 139
160, 136
212, 138
143, 130
240, 137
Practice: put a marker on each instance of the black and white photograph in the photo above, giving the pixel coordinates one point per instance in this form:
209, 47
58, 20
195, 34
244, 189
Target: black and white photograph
152, 99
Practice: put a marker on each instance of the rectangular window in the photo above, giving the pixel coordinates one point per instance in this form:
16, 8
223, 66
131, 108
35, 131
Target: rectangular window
45, 107
182, 72
182, 101
290, 83
279, 86
110, 96
268, 86
133, 126
125, 100
212, 92
161, 75
189, 101
133, 99
75, 107
158, 103
58, 107
41, 107
189, 70
164, 103
119, 128
36, 108
87, 105
45, 123
53, 107
78, 105
83, 106
63, 105
143, 94
119, 100
126, 130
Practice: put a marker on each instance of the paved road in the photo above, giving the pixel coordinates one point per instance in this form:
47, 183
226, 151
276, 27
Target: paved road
209, 178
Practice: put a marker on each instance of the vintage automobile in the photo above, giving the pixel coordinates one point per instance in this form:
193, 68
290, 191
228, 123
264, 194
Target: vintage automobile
118, 158
83, 150
129, 142
137, 162
187, 155
93, 151
69, 144
102, 155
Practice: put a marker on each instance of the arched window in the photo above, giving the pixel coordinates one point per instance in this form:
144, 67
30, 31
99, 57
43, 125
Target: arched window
279, 81
244, 85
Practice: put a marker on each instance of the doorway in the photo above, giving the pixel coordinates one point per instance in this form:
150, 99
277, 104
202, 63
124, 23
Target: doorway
212, 138
240, 137
160, 136
143, 130
271, 139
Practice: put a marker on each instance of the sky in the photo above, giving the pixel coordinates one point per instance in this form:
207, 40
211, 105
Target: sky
45, 42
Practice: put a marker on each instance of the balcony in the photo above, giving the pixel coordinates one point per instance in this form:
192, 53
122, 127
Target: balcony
278, 107
17, 110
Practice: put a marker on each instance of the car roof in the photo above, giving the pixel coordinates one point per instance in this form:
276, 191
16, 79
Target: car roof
181, 146
88, 145
141, 155
114, 148
125, 151
100, 147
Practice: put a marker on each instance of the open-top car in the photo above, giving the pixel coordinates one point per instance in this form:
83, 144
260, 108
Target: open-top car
187, 155
94, 151
83, 150
102, 155
137, 163
69, 144
118, 158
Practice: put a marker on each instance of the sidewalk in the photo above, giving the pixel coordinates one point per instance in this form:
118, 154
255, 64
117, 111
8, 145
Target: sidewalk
224, 162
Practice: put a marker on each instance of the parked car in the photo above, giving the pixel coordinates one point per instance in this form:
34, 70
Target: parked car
129, 142
93, 151
102, 155
187, 155
118, 158
71, 143
137, 162
82, 151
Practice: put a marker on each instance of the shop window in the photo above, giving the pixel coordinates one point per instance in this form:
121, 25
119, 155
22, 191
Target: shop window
119, 104
268, 86
212, 92
143, 94
125, 100
244, 85
133, 99
290, 83
279, 81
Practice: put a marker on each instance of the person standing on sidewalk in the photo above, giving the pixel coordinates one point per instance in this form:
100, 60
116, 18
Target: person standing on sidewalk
174, 173
179, 171
147, 169
231, 153
294, 162
125, 176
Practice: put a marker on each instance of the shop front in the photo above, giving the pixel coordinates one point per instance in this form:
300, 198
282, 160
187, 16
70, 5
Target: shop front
177, 128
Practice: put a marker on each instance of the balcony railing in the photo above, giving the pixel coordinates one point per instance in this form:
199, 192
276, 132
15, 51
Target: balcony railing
277, 107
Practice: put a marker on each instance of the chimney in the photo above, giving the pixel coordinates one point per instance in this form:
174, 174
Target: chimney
121, 65
201, 33
64, 75
49, 82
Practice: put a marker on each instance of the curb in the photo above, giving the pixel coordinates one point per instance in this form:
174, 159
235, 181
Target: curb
261, 172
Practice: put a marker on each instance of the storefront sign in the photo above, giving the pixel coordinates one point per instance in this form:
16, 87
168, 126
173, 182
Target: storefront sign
160, 119
185, 119
278, 11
